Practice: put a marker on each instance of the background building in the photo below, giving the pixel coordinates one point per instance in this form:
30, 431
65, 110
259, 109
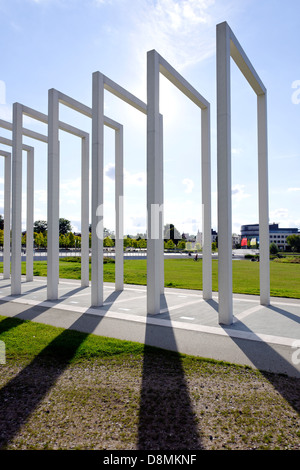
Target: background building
277, 235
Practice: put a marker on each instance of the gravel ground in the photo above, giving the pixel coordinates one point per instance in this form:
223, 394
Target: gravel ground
155, 402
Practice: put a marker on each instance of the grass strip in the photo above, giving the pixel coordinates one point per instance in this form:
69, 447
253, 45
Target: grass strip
187, 274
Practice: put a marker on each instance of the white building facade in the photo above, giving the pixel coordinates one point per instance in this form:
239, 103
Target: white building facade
276, 235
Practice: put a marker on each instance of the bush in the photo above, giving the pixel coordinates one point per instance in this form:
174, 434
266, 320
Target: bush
273, 249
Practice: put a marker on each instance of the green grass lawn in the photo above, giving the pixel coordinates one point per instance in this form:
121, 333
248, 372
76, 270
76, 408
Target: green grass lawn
187, 274
66, 389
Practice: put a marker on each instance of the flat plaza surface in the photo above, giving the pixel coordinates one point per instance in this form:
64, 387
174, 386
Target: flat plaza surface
267, 338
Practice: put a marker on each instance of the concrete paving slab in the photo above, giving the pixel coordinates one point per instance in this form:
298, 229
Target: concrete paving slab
266, 338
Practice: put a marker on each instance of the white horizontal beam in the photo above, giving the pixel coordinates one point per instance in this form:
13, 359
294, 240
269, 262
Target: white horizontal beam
181, 83
74, 104
124, 95
9, 143
242, 61
6, 125
35, 135
27, 132
4, 154
85, 110
44, 118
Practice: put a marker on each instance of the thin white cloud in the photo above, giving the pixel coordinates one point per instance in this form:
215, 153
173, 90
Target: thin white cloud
189, 185
109, 171
284, 218
131, 179
236, 151
293, 189
136, 179
280, 213
238, 192
180, 31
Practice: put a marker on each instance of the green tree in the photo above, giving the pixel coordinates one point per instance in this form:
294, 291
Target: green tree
77, 241
39, 239
64, 226
71, 237
169, 245
127, 242
142, 243
294, 242
62, 241
107, 241
273, 248
23, 240
188, 246
1, 237
181, 245
40, 226
134, 243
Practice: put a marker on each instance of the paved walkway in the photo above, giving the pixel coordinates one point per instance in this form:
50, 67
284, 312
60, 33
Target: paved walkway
267, 338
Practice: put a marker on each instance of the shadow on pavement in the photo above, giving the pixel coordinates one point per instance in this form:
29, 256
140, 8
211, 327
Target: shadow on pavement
286, 383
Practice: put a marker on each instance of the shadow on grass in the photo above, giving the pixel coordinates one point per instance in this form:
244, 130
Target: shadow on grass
22, 395
166, 420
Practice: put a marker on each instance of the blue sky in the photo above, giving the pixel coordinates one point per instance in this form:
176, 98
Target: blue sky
60, 43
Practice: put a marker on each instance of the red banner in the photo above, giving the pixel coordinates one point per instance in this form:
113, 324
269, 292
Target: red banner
244, 242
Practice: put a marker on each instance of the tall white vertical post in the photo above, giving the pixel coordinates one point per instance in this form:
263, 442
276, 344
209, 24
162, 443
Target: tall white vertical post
161, 202
7, 206
228, 46
53, 197
97, 189
85, 212
264, 256
153, 185
224, 176
206, 203
29, 215
16, 200
119, 204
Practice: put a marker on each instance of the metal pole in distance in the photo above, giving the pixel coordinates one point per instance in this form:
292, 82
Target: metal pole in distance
53, 197
119, 204
16, 200
97, 189
153, 185
264, 256
7, 205
224, 175
206, 204
85, 211
29, 217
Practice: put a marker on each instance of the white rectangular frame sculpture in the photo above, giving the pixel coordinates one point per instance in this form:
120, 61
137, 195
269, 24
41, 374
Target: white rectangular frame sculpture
7, 205
55, 98
156, 65
18, 131
227, 47
29, 204
101, 83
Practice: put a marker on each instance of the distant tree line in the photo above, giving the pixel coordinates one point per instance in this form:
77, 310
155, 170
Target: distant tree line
172, 238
